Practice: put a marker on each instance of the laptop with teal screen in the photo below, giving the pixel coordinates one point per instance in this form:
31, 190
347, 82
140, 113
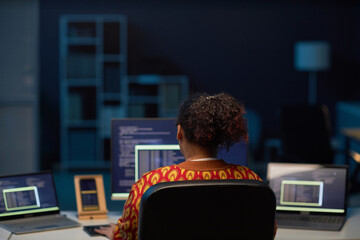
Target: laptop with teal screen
309, 196
149, 157
28, 203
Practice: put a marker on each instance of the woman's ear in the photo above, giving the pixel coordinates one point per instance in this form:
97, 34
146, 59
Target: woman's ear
180, 133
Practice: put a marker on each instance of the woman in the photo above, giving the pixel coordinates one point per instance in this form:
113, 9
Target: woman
204, 124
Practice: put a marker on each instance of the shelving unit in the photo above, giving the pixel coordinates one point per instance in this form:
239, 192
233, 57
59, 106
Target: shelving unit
93, 69
156, 95
95, 87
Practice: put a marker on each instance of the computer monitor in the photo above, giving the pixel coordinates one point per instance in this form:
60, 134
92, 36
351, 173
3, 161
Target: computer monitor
129, 133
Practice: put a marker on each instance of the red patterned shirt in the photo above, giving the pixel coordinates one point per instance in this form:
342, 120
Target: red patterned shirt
127, 225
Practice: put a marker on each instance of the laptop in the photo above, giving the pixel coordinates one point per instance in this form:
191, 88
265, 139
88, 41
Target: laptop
309, 196
150, 157
28, 203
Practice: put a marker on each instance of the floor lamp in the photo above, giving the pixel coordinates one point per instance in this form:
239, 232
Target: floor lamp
312, 56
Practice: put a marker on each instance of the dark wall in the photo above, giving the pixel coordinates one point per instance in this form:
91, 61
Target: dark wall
241, 47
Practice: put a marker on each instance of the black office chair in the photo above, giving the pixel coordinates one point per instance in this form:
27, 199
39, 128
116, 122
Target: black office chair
306, 134
207, 209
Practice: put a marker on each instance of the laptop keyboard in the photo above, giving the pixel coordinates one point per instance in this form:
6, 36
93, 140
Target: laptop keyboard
91, 229
310, 222
39, 224
310, 218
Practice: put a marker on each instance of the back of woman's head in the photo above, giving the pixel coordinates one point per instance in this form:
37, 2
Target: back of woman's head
213, 120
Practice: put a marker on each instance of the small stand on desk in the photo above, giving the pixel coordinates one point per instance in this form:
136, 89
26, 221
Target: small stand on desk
90, 197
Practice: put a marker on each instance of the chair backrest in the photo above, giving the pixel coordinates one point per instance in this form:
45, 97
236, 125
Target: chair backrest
207, 209
306, 134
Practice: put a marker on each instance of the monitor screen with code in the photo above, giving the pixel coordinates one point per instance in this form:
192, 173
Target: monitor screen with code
127, 133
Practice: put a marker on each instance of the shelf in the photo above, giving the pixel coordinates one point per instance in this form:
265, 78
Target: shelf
83, 41
81, 61
137, 89
111, 77
81, 103
112, 38
109, 112
113, 57
143, 110
111, 97
81, 29
144, 99
81, 82
95, 88
81, 124
93, 70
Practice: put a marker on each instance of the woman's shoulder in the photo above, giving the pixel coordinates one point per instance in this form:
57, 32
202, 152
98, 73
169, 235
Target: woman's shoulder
158, 175
239, 167
244, 171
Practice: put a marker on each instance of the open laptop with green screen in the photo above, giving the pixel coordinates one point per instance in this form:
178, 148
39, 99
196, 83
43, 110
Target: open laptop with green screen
28, 203
309, 196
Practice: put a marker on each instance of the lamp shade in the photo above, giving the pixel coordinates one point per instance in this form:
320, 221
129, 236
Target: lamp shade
312, 56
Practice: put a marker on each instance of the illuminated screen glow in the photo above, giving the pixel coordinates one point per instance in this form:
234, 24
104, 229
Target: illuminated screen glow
21, 198
302, 193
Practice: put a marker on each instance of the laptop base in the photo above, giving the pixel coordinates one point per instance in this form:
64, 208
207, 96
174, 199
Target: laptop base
39, 224
322, 223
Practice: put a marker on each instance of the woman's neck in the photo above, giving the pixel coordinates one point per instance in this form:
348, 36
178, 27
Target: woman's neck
194, 152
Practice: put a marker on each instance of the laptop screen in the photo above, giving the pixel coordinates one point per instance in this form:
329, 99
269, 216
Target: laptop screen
27, 194
149, 157
308, 187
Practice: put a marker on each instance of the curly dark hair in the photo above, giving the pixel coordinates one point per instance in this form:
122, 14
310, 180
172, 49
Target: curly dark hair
213, 120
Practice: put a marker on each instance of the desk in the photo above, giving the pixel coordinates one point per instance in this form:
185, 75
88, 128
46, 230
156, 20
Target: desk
351, 230
68, 233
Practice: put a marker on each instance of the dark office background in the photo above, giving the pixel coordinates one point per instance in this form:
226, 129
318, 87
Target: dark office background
245, 48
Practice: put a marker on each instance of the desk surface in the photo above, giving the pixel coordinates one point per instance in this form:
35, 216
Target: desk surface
69, 233
351, 230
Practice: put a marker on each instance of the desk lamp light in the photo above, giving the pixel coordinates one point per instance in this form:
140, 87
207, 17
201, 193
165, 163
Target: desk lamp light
312, 56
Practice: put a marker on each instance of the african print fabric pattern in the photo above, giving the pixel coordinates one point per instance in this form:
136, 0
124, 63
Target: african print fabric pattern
127, 225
